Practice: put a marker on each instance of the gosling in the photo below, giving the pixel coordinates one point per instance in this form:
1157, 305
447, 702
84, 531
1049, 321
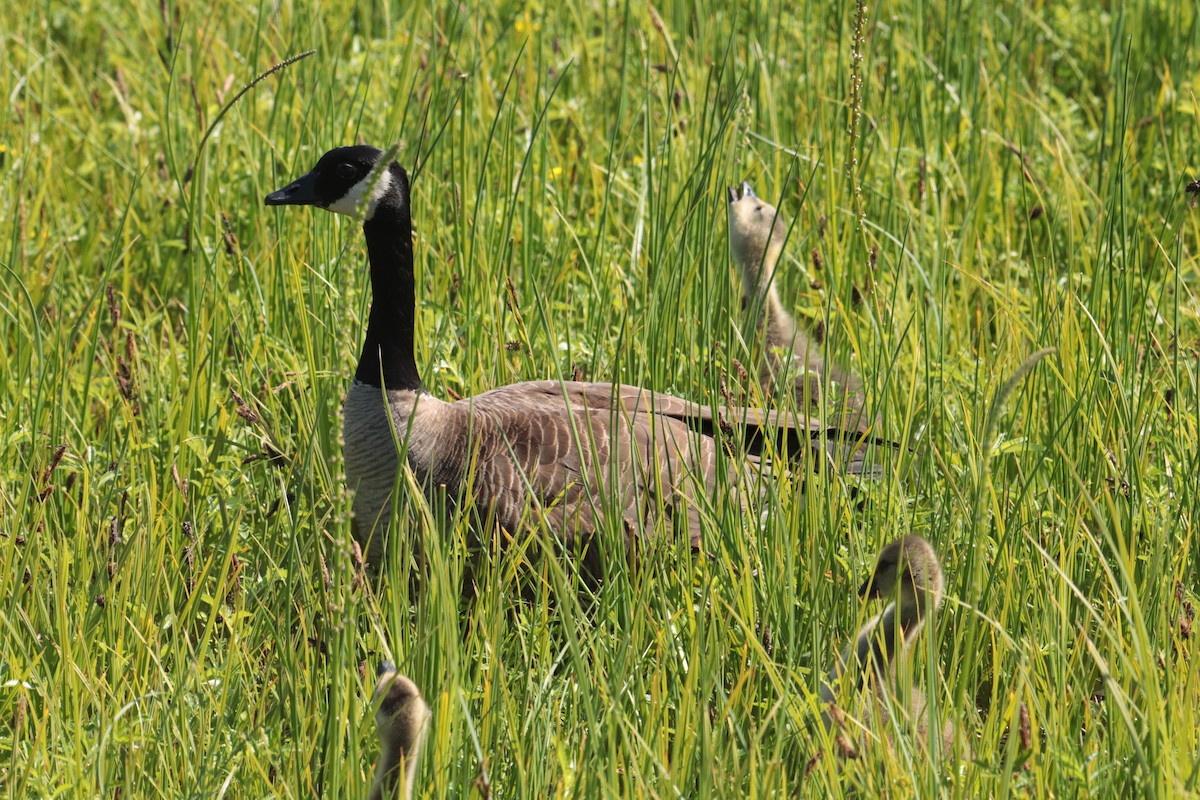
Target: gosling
402, 720
756, 235
909, 567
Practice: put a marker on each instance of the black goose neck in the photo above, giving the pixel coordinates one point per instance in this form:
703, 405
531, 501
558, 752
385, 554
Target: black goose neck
387, 359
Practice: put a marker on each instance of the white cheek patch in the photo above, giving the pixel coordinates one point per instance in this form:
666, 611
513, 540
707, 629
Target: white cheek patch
348, 204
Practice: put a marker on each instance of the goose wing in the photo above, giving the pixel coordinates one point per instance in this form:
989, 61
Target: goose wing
573, 455
792, 434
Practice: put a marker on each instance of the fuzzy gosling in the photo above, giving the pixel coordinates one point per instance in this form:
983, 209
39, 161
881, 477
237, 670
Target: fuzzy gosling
756, 235
907, 569
402, 720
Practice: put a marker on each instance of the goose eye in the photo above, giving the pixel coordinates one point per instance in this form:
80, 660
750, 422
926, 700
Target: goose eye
346, 171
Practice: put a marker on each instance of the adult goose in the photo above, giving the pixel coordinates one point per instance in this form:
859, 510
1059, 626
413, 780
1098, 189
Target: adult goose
567, 455
792, 361
907, 569
401, 721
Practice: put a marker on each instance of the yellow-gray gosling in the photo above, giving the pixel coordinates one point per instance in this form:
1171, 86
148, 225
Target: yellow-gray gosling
756, 236
909, 570
402, 720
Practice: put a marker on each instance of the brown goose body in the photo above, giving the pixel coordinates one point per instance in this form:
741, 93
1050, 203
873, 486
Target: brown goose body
909, 568
561, 454
791, 361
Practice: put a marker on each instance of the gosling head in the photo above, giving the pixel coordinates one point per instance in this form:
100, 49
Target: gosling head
402, 720
911, 566
342, 182
756, 235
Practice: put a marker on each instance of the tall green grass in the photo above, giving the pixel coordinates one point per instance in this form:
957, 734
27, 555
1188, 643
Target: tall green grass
183, 613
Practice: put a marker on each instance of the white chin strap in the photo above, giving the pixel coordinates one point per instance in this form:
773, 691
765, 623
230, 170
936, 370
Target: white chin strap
348, 204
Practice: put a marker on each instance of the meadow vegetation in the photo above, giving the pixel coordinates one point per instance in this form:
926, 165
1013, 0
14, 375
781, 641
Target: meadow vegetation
183, 614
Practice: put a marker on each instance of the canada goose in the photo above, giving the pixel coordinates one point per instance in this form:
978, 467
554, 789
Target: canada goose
909, 567
756, 236
540, 451
402, 720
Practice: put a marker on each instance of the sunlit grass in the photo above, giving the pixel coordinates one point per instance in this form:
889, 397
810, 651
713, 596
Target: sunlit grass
184, 613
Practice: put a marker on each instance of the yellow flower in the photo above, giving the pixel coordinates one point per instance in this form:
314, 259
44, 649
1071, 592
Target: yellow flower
524, 26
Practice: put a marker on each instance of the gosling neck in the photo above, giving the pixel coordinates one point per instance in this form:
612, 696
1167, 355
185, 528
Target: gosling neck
914, 605
387, 359
898, 626
758, 278
388, 772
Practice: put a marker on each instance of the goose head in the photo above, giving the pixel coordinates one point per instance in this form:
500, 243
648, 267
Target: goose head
756, 235
909, 566
343, 182
401, 720
354, 182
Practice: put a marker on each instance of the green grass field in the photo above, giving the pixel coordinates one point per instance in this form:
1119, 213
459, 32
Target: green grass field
182, 614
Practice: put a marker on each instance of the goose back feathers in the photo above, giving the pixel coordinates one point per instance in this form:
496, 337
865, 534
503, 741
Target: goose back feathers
526, 454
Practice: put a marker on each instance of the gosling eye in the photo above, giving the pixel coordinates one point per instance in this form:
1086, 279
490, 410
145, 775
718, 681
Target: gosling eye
346, 170
758, 209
